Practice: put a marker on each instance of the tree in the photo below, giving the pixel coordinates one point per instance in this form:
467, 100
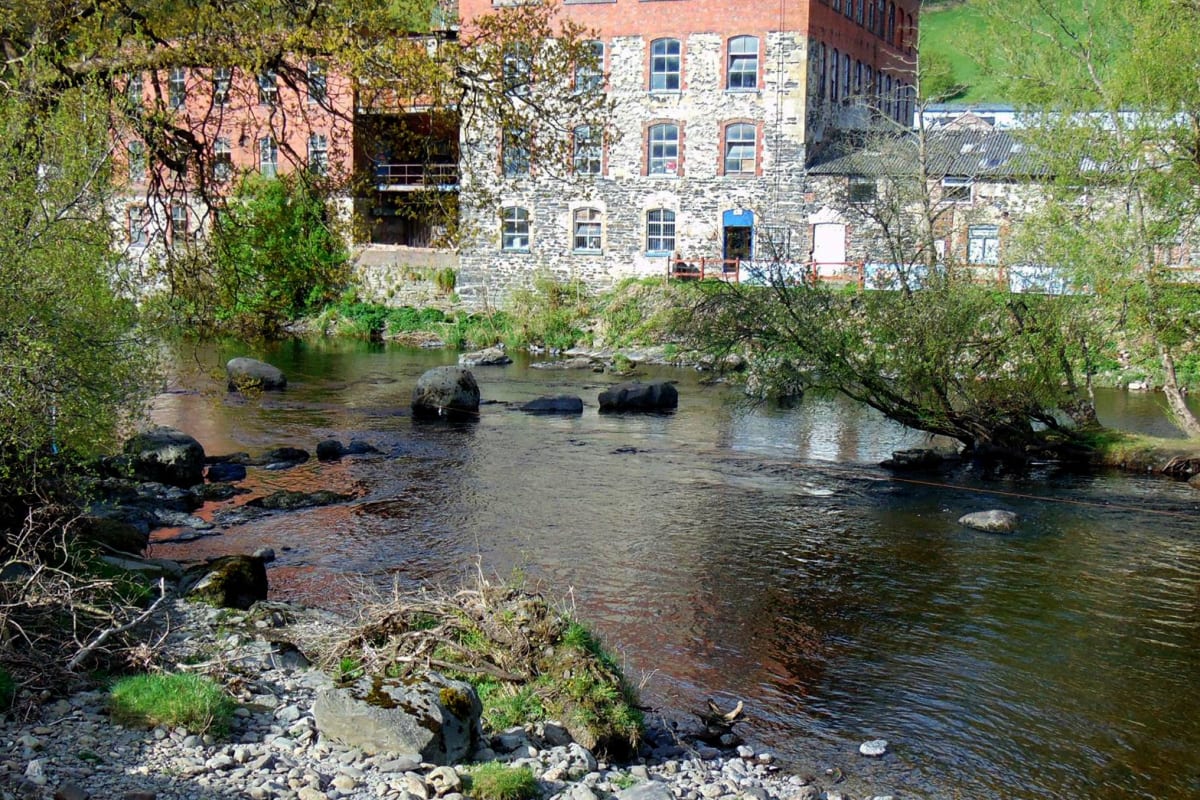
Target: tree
928, 339
72, 365
1110, 87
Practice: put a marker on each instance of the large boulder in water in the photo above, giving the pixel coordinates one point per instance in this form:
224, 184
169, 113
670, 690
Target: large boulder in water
166, 455
657, 396
250, 373
436, 718
446, 392
488, 357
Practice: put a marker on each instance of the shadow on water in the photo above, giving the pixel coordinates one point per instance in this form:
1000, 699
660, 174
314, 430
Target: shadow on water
756, 554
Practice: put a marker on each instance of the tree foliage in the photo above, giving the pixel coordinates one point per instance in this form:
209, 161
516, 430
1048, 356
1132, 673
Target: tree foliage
1111, 86
71, 363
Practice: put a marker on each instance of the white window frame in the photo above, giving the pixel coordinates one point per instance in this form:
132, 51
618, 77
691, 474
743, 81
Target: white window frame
666, 65
177, 87
222, 84
514, 153
662, 149
983, 244
134, 89
318, 154
138, 218
587, 230
514, 229
740, 145
741, 73
222, 167
268, 157
136, 153
181, 232
587, 152
268, 88
589, 78
317, 83
660, 231
958, 189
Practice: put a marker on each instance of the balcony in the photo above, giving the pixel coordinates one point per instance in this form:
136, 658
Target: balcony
415, 177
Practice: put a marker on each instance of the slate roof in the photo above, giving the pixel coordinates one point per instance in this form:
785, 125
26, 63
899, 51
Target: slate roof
952, 152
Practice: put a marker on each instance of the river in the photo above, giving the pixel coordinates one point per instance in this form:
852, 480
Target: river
759, 554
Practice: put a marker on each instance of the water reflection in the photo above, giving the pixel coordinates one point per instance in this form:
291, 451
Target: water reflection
755, 553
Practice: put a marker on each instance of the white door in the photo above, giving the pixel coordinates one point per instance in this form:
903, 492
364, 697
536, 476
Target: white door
829, 248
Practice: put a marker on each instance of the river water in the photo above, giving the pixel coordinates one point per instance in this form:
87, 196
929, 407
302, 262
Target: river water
758, 554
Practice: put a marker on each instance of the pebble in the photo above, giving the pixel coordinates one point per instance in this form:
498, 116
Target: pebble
274, 752
873, 748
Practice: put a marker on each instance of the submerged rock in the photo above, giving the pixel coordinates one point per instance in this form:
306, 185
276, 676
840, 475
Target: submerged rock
446, 392
284, 500
559, 404
993, 521
250, 373
656, 396
435, 718
488, 357
913, 459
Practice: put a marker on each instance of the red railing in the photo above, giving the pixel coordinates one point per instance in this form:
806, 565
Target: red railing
722, 269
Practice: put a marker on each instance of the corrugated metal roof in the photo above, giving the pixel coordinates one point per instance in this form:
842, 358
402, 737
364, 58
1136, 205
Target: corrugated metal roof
957, 152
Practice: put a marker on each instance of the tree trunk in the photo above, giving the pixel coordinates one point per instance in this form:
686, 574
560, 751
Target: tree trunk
1177, 405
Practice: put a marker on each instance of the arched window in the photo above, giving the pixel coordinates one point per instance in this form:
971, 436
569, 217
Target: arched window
833, 76
740, 149
858, 78
586, 230
742, 70
665, 65
514, 229
891, 23
662, 156
660, 231
846, 75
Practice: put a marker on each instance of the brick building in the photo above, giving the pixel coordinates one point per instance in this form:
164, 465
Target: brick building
720, 106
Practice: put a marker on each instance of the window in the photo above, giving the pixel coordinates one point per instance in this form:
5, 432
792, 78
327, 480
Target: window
222, 79
660, 231
891, 23
589, 72
133, 89
180, 233
846, 76
833, 76
880, 12
517, 67
957, 190
824, 71
515, 229
983, 244
586, 229
318, 84
663, 143
858, 78
858, 11
177, 87
318, 154
849, 9
587, 151
861, 189
871, 15
139, 218
514, 152
743, 63
773, 243
837, 4
887, 96
222, 164
268, 89
137, 162
268, 157
665, 65
740, 140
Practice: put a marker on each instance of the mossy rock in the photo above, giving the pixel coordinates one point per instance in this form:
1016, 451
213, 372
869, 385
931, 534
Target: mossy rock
230, 582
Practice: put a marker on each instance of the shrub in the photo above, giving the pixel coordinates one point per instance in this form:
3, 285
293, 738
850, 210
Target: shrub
495, 781
175, 700
8, 689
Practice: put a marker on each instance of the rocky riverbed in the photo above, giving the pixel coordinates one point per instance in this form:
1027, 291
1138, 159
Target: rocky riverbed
70, 749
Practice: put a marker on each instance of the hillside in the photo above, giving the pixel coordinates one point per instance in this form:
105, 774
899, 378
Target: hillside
958, 32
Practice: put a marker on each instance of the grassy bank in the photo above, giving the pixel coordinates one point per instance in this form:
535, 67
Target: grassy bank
551, 315
1133, 452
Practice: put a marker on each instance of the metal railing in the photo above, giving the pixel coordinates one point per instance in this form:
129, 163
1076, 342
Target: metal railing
413, 176
722, 269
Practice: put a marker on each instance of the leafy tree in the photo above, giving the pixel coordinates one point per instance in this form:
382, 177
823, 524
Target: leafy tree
274, 255
1111, 87
931, 342
71, 363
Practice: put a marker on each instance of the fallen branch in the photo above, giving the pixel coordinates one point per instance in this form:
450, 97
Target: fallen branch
105, 634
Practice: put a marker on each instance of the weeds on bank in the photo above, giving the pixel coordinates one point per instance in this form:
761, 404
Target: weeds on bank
183, 700
527, 661
496, 781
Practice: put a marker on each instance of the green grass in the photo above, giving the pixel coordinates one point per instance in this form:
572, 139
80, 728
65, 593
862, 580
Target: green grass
958, 32
177, 700
496, 781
